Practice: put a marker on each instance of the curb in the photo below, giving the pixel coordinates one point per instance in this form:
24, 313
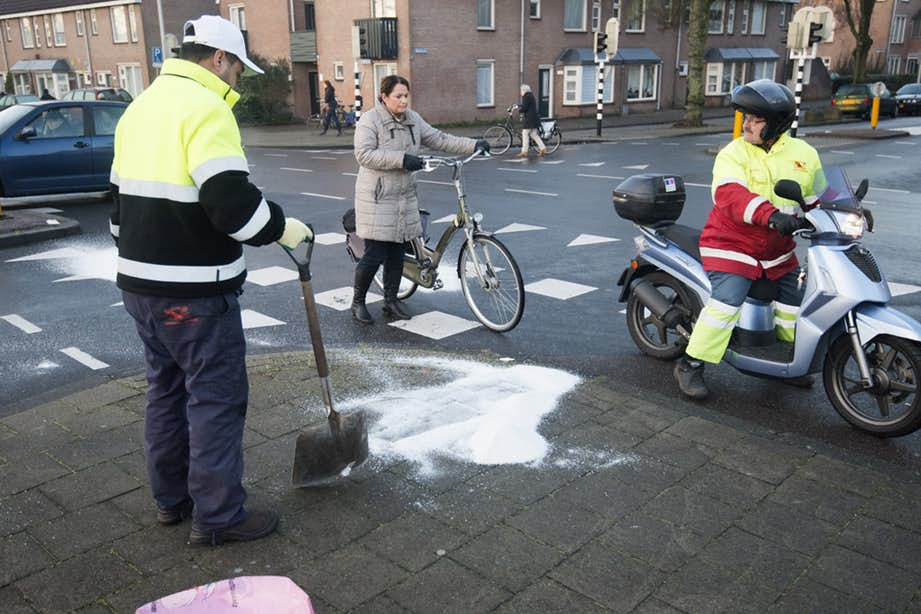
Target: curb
23, 227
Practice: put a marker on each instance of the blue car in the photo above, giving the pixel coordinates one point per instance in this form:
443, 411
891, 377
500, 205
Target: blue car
57, 147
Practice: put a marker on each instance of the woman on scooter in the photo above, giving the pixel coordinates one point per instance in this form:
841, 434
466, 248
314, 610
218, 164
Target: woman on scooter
749, 231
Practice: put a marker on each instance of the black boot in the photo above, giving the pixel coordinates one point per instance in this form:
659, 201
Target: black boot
363, 279
689, 373
392, 276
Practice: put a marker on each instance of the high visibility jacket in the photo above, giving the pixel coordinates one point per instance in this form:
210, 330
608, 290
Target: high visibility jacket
183, 201
736, 238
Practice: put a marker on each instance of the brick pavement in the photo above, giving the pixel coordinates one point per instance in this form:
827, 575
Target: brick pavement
688, 511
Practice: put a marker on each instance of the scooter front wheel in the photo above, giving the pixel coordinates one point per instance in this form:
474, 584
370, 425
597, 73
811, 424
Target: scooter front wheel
650, 333
892, 406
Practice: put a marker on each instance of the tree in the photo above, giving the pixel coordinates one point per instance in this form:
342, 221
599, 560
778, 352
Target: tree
857, 14
697, 43
8, 85
264, 98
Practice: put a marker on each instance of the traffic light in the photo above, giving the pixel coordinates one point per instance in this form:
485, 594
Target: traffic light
363, 50
815, 32
600, 43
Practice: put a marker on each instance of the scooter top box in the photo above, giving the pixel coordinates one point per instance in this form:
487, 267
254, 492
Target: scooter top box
649, 199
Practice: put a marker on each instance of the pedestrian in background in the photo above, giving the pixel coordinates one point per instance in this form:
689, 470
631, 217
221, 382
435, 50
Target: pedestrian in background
184, 207
329, 100
530, 122
388, 140
46, 95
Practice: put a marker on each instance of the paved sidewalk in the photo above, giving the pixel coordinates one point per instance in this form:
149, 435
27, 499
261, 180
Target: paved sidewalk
671, 508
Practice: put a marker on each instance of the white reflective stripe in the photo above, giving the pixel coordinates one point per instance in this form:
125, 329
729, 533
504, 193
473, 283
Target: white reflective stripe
257, 222
771, 263
708, 320
751, 207
207, 170
727, 180
716, 305
187, 274
709, 252
113, 177
158, 189
784, 323
787, 309
113, 229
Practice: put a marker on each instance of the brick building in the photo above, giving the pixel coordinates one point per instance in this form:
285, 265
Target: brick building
62, 45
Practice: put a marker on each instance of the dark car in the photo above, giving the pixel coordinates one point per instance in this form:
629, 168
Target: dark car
99, 93
858, 100
57, 147
10, 99
909, 98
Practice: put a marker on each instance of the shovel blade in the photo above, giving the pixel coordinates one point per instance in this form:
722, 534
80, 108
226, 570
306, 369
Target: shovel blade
329, 450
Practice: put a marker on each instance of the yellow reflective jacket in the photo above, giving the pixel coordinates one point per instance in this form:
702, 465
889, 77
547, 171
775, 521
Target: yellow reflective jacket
183, 200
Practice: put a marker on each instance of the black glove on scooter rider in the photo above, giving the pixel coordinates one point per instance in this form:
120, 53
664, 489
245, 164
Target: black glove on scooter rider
785, 224
412, 163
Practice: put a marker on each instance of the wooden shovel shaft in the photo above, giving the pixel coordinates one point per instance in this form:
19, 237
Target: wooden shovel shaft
316, 338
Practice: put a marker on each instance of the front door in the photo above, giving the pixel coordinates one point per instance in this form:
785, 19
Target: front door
543, 92
313, 79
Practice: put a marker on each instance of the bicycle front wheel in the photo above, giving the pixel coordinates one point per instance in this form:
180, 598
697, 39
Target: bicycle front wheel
407, 287
491, 282
553, 141
499, 139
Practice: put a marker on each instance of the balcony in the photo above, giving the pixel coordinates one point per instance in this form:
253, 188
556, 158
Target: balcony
304, 46
381, 38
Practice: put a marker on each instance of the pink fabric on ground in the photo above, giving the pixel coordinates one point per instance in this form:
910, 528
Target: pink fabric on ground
243, 595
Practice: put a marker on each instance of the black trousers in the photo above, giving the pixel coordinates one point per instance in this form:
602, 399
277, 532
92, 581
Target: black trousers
330, 116
388, 253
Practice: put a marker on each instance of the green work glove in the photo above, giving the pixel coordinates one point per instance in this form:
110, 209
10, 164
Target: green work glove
295, 233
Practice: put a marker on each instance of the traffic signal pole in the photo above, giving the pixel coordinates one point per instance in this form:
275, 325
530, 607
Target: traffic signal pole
798, 91
599, 62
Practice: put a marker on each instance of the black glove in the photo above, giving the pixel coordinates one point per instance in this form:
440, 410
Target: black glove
785, 224
412, 163
482, 145
868, 216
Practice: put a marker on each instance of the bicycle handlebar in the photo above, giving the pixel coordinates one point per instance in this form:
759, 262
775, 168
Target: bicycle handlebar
430, 163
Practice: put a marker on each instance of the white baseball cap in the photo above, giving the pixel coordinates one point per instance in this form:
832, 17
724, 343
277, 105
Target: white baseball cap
218, 33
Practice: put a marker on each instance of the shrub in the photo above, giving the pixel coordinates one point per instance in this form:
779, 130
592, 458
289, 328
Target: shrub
8, 85
264, 98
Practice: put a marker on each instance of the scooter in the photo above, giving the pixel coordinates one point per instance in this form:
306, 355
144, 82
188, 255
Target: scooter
868, 352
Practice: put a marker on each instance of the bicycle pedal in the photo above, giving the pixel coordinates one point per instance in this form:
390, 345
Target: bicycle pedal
438, 285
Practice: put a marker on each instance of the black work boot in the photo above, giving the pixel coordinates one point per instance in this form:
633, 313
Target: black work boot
174, 515
392, 306
363, 279
258, 523
689, 373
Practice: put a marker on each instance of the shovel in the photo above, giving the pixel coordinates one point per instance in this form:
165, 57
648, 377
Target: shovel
325, 452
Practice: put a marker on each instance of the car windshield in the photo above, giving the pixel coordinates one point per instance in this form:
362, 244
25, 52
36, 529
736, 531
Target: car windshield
852, 90
912, 88
835, 191
11, 115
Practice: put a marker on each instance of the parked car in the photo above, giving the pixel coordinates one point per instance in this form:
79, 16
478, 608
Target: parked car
57, 147
909, 98
11, 99
858, 100
98, 93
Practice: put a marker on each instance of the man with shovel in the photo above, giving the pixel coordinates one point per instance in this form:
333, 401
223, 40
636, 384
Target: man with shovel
183, 208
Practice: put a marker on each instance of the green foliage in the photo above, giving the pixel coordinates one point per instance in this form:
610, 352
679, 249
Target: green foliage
8, 85
264, 98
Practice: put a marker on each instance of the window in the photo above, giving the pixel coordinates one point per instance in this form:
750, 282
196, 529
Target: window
898, 29
119, 24
49, 34
534, 11
642, 81
911, 67
106, 118
310, 17
338, 71
574, 15
9, 31
731, 16
743, 28
93, 28
60, 122
80, 28
757, 12
87, 79
26, 26
485, 12
36, 28
129, 78
635, 16
723, 77
893, 63
385, 8
22, 83
715, 18
580, 85
132, 24
484, 83
596, 15
783, 15
103, 78
765, 70
238, 16
915, 28
57, 23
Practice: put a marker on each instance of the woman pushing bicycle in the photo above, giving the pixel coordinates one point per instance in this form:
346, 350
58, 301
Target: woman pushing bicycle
388, 139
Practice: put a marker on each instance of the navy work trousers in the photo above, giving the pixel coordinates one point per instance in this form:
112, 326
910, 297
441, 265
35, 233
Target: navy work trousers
196, 403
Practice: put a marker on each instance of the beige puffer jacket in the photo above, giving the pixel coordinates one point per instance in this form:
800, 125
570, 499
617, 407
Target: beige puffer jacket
385, 195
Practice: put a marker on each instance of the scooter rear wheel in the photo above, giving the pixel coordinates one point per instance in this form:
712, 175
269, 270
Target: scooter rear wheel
892, 407
648, 332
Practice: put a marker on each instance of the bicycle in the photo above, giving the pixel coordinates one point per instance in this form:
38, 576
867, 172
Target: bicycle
491, 280
503, 136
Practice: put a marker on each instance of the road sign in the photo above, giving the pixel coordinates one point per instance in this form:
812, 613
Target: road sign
878, 89
156, 54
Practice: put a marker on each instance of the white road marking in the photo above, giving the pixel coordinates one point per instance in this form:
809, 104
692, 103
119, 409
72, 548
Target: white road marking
350, 174
598, 176
889, 157
898, 289
329, 196
84, 359
672, 144
702, 144
53, 222
530, 192
516, 227
551, 161
340, 299
254, 319
432, 181
270, 276
637, 143
559, 289
435, 325
21, 323
323, 158
638, 167
516, 170
445, 219
904, 143
297, 170
276, 155
118, 304
893, 190
64, 252
842, 152
913, 130
585, 239
329, 238
870, 202
623, 311
592, 164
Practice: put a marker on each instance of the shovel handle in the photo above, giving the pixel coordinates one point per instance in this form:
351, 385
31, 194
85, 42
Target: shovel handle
303, 265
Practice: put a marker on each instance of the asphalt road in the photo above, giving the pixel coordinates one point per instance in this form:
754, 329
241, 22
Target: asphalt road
70, 295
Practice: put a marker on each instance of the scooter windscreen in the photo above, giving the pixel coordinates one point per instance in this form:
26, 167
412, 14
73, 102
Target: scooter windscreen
834, 190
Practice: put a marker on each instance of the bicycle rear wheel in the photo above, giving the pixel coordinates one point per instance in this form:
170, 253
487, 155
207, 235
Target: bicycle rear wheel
407, 287
553, 141
491, 282
499, 138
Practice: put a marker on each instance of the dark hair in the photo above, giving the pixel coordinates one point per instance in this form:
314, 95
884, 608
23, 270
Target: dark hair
327, 83
391, 81
193, 52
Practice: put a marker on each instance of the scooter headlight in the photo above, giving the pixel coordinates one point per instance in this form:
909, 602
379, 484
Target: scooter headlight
853, 225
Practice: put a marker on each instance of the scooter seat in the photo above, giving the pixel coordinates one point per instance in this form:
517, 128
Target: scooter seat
685, 237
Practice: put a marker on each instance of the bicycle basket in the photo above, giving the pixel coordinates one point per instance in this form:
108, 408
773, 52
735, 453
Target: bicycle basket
547, 126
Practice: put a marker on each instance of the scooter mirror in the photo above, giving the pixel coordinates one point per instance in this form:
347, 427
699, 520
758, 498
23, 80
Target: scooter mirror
789, 189
862, 189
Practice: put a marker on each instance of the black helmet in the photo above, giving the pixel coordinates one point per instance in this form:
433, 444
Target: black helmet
772, 101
